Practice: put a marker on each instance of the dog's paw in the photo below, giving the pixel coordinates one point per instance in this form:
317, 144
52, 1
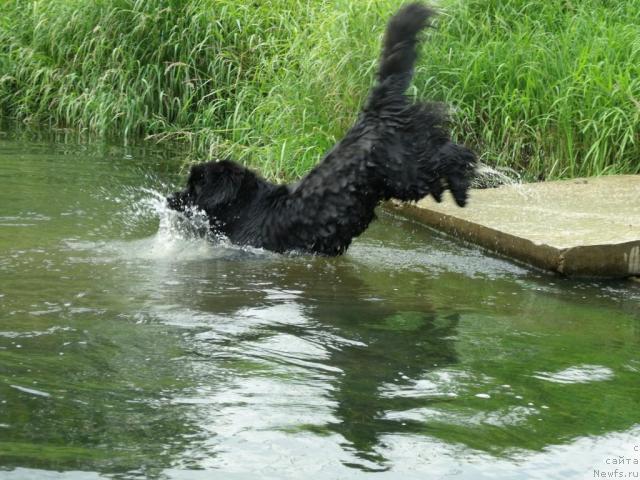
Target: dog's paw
459, 186
436, 189
459, 166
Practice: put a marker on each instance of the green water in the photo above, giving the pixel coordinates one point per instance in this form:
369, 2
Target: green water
131, 348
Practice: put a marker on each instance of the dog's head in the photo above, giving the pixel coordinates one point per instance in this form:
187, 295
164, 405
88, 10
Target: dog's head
212, 187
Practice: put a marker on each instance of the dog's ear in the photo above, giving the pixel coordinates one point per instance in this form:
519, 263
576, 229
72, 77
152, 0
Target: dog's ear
220, 184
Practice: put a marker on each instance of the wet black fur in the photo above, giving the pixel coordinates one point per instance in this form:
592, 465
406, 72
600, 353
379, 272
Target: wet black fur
396, 149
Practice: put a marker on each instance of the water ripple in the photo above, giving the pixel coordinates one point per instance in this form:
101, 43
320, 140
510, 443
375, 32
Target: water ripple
577, 374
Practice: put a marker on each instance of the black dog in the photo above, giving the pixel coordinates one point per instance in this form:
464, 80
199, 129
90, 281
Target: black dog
396, 149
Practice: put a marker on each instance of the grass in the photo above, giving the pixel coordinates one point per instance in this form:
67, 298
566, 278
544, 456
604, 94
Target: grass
550, 89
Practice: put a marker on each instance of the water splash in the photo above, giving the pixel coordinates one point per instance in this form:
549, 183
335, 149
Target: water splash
179, 236
491, 177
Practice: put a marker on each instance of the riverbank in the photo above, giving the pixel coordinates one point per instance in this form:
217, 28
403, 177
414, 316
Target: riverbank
551, 91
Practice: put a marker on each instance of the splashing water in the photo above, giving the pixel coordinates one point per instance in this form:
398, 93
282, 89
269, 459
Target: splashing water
490, 177
179, 236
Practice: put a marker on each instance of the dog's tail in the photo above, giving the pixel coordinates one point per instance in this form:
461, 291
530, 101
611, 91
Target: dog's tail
399, 51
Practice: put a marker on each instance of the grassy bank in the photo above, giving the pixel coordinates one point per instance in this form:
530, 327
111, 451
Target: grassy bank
551, 89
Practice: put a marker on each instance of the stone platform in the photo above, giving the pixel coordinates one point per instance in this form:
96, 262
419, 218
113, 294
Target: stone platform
582, 227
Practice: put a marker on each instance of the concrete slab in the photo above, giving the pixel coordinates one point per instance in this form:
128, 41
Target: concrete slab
582, 227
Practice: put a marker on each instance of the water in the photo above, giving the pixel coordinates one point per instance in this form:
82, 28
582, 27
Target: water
132, 348
490, 177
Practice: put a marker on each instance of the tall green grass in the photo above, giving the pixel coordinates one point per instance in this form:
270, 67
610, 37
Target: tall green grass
551, 89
